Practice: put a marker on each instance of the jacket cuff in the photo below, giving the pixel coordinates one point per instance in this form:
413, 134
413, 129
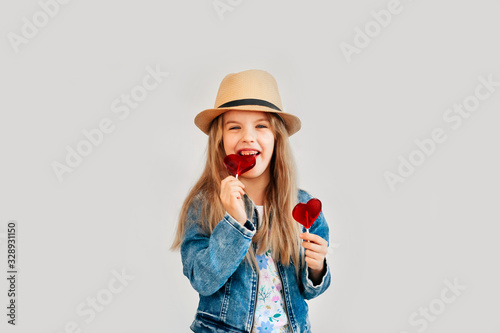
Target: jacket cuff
310, 286
247, 230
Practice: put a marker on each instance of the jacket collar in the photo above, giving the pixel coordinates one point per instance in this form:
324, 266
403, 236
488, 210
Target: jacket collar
249, 206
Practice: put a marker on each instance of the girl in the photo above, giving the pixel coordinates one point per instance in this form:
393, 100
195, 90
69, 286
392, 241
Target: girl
252, 264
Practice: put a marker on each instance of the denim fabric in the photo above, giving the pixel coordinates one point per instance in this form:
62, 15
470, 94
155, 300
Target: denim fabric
227, 284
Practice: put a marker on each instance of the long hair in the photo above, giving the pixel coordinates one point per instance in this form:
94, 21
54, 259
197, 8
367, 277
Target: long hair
278, 230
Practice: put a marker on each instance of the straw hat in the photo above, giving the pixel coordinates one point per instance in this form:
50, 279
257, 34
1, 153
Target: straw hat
250, 90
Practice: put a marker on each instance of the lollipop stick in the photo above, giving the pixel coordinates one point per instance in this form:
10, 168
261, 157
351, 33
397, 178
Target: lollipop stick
236, 176
307, 219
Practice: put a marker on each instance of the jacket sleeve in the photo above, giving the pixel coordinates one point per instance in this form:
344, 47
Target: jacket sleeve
320, 228
209, 260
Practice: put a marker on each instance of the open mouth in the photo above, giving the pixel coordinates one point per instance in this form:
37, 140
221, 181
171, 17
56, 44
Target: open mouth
248, 152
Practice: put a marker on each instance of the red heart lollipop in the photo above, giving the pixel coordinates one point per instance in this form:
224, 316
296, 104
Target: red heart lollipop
237, 164
307, 213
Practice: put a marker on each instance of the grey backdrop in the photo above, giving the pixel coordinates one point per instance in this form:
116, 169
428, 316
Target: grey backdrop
374, 82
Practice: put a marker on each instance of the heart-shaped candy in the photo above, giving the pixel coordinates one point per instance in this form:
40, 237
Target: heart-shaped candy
237, 164
307, 213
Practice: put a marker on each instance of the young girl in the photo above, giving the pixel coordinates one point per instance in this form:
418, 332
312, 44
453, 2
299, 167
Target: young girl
252, 264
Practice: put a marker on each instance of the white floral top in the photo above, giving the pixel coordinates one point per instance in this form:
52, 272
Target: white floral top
270, 314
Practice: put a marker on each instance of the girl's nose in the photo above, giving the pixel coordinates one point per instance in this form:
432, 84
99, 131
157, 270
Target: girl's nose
248, 135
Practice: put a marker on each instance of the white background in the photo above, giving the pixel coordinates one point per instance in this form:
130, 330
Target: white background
117, 210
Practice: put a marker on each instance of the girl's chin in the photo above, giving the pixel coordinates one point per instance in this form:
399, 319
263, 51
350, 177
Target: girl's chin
252, 174
248, 175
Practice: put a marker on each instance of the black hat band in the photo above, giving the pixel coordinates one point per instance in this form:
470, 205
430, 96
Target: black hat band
249, 101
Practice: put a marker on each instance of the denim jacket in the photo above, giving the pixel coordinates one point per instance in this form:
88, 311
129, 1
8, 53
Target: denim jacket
227, 284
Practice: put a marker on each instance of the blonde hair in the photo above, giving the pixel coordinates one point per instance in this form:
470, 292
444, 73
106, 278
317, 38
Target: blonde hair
278, 230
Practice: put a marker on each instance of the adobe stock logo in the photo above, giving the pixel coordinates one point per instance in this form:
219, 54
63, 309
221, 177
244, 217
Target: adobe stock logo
94, 305
40, 19
223, 6
381, 19
121, 106
425, 315
426, 147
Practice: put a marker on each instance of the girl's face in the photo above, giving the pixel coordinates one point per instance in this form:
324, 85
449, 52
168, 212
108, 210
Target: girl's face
248, 132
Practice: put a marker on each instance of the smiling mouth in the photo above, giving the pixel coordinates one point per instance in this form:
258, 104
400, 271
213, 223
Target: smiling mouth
248, 153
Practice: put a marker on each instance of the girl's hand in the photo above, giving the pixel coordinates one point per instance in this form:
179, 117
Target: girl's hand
316, 250
231, 195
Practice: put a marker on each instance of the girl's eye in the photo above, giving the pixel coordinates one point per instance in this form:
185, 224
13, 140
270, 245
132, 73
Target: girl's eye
262, 126
234, 127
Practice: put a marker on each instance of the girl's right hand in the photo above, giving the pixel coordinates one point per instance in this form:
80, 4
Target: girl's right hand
231, 195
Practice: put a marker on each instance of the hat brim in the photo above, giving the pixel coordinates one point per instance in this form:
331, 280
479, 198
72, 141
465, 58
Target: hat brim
204, 118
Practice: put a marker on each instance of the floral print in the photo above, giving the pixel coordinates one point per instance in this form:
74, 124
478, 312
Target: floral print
270, 315
262, 262
265, 327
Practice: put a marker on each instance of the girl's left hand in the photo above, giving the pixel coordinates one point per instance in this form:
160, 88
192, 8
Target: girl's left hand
316, 250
